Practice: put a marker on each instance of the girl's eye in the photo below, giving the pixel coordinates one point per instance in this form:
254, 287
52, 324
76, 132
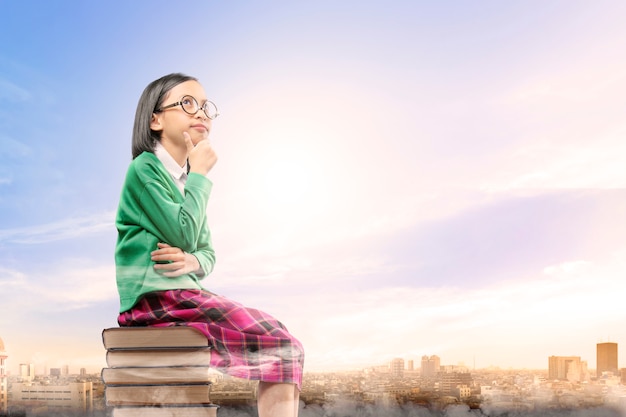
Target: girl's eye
186, 101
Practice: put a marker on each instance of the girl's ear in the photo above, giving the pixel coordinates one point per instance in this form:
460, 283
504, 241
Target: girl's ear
155, 122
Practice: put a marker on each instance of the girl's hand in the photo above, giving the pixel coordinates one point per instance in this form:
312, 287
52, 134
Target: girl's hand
202, 156
173, 262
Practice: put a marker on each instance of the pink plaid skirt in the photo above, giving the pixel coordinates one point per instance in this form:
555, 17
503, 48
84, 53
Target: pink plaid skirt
246, 343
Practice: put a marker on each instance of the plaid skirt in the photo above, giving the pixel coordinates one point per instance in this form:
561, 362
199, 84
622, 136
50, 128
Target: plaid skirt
246, 343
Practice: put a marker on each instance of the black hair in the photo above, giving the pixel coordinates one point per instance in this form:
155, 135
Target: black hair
151, 99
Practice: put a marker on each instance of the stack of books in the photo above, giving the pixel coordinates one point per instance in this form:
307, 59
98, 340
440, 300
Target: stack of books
157, 372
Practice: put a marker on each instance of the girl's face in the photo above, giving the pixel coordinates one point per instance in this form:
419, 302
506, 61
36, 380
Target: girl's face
173, 121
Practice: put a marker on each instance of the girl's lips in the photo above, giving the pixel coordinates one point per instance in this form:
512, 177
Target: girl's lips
200, 127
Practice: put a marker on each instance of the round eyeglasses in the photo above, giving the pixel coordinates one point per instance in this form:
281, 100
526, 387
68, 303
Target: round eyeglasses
190, 106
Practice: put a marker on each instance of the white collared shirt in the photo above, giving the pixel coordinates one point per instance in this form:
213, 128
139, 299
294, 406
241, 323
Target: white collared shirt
178, 173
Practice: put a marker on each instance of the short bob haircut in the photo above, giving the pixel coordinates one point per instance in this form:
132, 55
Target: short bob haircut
151, 99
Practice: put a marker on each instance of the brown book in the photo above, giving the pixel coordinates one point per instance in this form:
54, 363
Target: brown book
116, 395
158, 357
143, 337
155, 375
206, 410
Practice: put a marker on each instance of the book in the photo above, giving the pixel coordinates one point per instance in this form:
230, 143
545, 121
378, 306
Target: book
116, 395
142, 337
205, 410
155, 375
158, 357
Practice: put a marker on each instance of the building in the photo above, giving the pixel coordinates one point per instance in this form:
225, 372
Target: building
430, 365
462, 392
567, 368
75, 397
3, 379
606, 358
397, 367
449, 383
27, 372
410, 365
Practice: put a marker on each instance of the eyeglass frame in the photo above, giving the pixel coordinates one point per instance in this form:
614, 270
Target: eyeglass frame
203, 107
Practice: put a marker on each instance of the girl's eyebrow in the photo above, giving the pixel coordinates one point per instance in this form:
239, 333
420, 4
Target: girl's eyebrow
194, 97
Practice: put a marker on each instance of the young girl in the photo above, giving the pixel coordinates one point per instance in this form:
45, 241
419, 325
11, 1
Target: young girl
164, 247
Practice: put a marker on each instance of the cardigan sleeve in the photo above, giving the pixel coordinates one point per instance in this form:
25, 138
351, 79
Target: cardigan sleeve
205, 254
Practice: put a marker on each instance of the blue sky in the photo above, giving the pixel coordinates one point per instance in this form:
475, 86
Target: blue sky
394, 180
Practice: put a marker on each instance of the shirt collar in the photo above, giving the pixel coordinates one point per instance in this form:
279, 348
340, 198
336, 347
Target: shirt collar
176, 171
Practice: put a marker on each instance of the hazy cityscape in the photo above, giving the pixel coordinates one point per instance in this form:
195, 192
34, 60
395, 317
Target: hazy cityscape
569, 386
427, 194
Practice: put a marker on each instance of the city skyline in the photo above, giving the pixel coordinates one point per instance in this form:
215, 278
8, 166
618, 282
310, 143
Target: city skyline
393, 180
433, 362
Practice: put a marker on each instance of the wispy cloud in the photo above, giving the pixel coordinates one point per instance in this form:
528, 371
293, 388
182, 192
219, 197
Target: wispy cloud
70, 228
351, 328
12, 279
9, 91
69, 285
552, 164
11, 148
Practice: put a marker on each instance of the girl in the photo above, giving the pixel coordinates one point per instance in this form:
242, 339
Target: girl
163, 207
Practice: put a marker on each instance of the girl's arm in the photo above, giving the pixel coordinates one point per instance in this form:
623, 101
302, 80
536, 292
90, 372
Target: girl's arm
174, 262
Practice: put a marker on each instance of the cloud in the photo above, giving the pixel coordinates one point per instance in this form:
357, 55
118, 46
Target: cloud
11, 148
12, 92
12, 279
70, 228
67, 285
346, 329
567, 268
595, 164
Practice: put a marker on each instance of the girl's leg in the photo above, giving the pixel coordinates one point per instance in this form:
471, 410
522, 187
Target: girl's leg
278, 399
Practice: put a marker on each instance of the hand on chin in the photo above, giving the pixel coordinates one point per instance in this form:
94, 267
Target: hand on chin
197, 136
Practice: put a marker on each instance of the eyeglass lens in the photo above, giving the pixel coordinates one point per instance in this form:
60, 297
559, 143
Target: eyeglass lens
190, 105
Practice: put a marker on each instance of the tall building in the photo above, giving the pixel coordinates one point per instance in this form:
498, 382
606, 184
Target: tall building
567, 368
3, 379
397, 367
606, 358
27, 371
410, 365
430, 365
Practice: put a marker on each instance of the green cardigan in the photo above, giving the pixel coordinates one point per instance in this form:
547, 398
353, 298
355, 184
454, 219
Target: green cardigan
152, 210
